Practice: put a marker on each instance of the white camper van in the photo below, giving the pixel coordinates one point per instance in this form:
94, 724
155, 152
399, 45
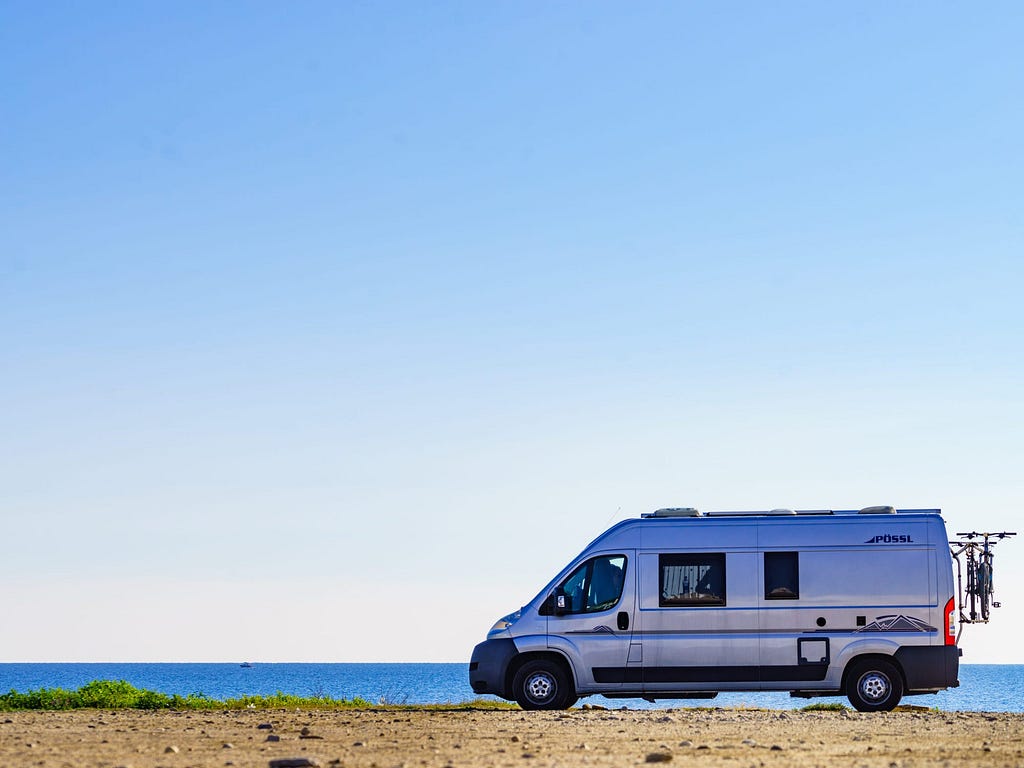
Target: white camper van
680, 604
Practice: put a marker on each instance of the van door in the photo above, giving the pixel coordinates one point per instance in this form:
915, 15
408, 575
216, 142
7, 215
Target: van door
592, 621
700, 624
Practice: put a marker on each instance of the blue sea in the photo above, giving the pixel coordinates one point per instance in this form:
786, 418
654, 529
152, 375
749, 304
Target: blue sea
983, 687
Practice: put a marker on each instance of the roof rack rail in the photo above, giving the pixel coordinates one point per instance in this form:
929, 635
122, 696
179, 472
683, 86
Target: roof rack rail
767, 512
782, 512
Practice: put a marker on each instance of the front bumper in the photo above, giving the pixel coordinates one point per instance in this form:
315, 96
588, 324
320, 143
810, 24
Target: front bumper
488, 665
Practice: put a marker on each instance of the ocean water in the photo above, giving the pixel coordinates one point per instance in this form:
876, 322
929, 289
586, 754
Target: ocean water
983, 687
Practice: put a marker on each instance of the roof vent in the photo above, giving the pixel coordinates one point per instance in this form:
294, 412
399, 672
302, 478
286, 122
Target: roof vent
781, 511
675, 512
877, 511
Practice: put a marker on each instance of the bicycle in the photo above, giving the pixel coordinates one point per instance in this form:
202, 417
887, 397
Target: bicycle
980, 588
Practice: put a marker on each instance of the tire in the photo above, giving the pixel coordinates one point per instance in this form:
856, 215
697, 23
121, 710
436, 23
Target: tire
874, 685
985, 587
543, 684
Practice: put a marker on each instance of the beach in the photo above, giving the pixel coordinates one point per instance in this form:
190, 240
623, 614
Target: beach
440, 738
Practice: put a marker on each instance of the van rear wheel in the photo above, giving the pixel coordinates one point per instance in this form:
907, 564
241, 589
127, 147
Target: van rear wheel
543, 684
874, 685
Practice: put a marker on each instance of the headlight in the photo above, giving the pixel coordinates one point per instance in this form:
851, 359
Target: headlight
506, 621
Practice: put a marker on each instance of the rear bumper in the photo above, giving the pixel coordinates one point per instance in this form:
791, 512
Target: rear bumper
929, 668
489, 664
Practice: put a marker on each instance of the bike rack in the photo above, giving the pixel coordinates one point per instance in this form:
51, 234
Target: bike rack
976, 548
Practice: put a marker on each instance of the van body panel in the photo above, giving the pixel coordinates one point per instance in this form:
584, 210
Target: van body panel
834, 577
532, 643
884, 646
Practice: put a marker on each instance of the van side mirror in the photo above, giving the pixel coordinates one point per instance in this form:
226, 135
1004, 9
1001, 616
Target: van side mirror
556, 604
563, 603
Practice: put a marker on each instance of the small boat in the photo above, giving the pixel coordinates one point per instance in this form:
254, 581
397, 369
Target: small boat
245, 665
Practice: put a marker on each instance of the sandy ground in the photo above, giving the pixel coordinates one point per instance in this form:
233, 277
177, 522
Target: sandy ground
386, 739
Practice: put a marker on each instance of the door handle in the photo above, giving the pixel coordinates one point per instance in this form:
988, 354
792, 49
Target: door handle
623, 620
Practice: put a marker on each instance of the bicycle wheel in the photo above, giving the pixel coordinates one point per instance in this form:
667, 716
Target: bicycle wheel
984, 582
972, 586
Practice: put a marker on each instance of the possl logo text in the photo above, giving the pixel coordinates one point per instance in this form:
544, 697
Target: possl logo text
890, 538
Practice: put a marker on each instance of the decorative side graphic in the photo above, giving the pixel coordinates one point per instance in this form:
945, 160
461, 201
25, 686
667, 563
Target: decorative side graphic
895, 623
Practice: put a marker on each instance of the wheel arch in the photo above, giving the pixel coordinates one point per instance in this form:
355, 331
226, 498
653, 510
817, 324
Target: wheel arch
880, 647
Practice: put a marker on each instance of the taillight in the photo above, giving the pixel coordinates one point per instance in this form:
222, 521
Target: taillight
949, 622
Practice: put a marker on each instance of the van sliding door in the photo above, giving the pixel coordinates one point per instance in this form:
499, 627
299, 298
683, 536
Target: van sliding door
698, 611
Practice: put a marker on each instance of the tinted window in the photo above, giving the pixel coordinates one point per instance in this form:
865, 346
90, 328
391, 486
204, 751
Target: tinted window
596, 585
781, 576
692, 579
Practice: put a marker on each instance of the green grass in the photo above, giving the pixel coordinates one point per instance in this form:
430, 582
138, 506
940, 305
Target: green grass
119, 694
832, 706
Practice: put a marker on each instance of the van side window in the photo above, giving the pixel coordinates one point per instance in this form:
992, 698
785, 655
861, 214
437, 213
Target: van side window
781, 576
697, 579
596, 585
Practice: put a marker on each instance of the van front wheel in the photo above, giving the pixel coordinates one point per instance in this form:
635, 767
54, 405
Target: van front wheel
542, 684
874, 685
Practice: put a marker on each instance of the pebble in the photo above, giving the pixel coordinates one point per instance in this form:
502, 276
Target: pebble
658, 757
273, 737
686, 743
515, 738
776, 748
171, 750
227, 745
265, 727
749, 742
293, 762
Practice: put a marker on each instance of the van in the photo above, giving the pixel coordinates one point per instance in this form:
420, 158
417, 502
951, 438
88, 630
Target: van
678, 604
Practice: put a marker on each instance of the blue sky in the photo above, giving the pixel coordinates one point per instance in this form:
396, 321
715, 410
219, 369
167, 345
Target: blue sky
314, 310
